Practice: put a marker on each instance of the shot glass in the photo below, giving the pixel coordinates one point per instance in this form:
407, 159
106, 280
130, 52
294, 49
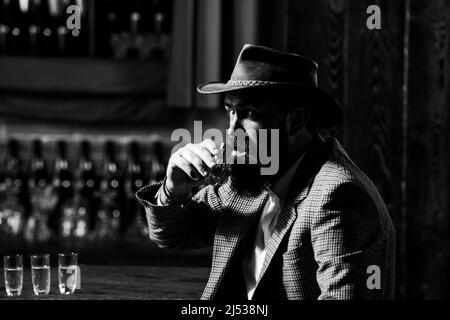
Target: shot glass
40, 273
13, 268
67, 272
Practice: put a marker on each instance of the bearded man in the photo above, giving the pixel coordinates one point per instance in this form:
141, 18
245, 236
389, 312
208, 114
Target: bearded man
315, 229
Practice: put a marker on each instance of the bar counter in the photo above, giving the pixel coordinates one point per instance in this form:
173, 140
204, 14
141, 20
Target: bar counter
123, 283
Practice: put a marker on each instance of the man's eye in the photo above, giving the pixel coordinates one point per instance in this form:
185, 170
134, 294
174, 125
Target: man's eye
231, 112
252, 114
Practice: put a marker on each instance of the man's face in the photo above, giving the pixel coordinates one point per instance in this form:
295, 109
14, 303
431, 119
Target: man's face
251, 111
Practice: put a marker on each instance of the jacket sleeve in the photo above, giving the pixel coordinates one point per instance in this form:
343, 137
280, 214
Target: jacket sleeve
181, 226
350, 233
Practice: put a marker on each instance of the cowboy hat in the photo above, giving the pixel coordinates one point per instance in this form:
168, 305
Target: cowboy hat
263, 67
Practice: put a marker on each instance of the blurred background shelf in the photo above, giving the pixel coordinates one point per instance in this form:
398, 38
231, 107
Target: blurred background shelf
116, 252
129, 77
83, 76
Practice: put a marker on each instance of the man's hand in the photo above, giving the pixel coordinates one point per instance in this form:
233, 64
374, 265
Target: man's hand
187, 168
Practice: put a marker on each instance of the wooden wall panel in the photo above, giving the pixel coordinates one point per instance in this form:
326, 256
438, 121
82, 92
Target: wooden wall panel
363, 69
208, 57
273, 17
374, 108
428, 160
317, 29
180, 84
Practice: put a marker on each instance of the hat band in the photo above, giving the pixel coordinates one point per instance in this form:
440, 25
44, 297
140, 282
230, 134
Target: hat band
249, 83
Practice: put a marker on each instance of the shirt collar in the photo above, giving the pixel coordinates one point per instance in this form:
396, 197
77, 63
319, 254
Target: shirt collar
281, 187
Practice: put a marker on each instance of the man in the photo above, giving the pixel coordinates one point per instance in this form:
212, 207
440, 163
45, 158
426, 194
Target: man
317, 229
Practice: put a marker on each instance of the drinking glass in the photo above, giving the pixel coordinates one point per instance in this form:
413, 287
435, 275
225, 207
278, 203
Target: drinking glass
67, 272
13, 267
40, 273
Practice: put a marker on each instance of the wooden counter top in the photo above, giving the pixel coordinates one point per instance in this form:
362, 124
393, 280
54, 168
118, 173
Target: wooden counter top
123, 283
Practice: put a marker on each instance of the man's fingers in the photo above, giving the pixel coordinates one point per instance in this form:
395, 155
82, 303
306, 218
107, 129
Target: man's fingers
210, 145
204, 154
190, 156
195, 160
186, 167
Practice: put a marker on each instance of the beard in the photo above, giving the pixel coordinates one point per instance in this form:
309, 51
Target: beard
245, 178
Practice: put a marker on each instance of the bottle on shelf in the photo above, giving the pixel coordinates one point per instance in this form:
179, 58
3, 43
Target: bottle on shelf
62, 183
161, 27
75, 213
111, 33
38, 174
3, 28
89, 179
12, 209
43, 29
157, 170
76, 41
2, 172
76, 210
62, 32
134, 50
106, 27
134, 180
118, 30
13, 25
42, 196
121, 11
109, 215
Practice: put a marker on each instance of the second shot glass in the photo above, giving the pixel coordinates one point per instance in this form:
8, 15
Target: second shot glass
40, 273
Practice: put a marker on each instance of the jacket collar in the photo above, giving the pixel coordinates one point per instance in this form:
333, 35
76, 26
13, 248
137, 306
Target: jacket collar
241, 210
310, 164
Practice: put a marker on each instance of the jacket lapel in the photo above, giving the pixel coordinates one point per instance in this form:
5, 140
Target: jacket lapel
239, 212
232, 227
286, 217
302, 182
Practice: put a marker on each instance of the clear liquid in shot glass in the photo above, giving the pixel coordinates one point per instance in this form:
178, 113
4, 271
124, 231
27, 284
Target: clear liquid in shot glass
13, 281
68, 272
13, 272
41, 279
67, 279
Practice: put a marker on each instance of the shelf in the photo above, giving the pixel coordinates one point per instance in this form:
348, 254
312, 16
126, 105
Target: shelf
83, 90
85, 76
118, 252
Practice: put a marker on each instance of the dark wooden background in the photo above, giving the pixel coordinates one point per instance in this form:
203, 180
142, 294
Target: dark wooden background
394, 85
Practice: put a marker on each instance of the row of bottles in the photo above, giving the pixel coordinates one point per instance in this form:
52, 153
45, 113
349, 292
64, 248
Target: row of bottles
136, 29
79, 201
39, 28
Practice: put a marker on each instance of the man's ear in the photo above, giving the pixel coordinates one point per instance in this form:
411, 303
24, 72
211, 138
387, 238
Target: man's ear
296, 120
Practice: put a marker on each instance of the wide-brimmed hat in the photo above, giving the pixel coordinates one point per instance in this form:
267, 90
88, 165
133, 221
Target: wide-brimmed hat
263, 67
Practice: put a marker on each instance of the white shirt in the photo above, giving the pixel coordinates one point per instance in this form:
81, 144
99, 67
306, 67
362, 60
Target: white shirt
253, 260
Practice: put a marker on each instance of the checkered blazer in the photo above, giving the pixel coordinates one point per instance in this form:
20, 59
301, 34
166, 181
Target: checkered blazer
331, 229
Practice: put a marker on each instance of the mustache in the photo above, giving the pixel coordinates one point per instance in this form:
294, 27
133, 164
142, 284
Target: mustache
242, 150
231, 149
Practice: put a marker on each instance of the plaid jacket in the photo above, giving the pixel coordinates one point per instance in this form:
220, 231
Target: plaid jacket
332, 227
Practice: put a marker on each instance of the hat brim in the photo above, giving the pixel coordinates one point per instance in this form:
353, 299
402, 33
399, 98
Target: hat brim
329, 112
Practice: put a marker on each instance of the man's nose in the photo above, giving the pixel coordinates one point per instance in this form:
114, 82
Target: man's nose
235, 123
